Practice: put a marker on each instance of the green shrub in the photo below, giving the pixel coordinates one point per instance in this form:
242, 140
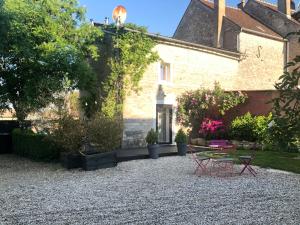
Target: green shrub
105, 132
251, 128
261, 128
152, 137
242, 128
69, 134
34, 146
181, 137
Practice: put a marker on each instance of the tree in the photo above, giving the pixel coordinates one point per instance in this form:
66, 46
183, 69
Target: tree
44, 47
286, 129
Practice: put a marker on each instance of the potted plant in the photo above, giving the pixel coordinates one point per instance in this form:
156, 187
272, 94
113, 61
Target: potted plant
69, 136
151, 139
181, 140
104, 135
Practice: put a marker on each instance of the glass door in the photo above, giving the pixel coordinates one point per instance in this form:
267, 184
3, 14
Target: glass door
164, 123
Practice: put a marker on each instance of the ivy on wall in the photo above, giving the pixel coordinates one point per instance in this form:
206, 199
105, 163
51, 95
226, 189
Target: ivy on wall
125, 55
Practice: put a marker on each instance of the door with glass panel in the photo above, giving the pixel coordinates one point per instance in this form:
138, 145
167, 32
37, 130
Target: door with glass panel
164, 123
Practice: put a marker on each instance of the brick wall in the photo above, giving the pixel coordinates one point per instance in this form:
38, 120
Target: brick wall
257, 104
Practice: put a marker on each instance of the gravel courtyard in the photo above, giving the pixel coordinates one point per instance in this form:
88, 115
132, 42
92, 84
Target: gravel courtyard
163, 191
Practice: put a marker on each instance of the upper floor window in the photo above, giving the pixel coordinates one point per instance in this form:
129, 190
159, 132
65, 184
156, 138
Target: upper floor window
165, 72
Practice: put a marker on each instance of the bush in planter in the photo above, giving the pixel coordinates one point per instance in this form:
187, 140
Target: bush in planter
69, 135
105, 133
104, 136
181, 140
34, 146
152, 139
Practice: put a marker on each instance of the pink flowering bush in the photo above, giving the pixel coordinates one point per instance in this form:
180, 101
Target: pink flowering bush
194, 106
212, 128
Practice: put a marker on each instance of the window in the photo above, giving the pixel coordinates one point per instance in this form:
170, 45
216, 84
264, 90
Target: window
165, 72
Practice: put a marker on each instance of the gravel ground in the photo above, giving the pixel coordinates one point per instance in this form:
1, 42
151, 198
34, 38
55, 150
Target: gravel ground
163, 191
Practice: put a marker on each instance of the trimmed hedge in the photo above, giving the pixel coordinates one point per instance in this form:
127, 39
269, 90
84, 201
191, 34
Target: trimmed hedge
34, 146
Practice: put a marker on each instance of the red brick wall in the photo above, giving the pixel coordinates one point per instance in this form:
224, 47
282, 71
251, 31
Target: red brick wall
256, 104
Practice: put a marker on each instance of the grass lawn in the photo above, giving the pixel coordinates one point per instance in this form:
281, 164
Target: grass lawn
275, 160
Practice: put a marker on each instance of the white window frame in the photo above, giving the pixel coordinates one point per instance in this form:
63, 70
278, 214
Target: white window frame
165, 82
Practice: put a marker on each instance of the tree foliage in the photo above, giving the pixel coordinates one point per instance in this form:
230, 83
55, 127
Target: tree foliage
43, 50
286, 129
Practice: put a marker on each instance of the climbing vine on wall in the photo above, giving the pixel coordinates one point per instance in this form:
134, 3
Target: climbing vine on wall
126, 54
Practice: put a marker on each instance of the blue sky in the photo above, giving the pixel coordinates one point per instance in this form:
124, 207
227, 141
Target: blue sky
160, 16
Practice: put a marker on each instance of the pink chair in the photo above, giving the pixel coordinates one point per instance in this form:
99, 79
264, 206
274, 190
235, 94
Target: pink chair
201, 162
246, 160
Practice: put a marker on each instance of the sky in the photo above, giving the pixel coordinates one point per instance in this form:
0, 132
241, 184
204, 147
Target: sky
159, 16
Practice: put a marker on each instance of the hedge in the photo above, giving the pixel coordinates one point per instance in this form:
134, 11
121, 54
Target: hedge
34, 146
250, 128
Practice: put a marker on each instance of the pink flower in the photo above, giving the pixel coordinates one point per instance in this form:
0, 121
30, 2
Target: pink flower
206, 97
209, 126
213, 100
194, 101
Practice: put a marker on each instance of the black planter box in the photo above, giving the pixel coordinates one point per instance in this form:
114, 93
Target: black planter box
99, 160
71, 161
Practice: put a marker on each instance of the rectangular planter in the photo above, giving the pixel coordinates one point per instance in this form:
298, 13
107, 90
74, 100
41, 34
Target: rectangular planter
71, 161
99, 161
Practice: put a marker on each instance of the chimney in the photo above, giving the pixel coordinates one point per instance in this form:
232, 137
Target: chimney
219, 8
284, 6
242, 4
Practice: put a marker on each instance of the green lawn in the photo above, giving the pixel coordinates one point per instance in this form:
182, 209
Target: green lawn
276, 160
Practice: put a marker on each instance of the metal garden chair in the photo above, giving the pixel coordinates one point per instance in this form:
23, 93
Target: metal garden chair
222, 166
246, 160
201, 162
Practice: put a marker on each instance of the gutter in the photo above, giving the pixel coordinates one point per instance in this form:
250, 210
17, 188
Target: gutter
197, 47
184, 44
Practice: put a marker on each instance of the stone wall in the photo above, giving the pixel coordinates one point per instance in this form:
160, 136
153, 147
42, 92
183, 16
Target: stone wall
190, 69
278, 22
230, 33
262, 62
198, 25
294, 47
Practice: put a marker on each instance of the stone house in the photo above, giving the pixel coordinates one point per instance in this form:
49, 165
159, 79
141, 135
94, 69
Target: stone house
244, 48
